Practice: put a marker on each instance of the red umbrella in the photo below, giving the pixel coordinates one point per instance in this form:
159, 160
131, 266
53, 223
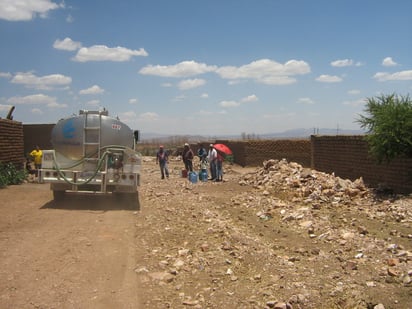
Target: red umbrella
223, 148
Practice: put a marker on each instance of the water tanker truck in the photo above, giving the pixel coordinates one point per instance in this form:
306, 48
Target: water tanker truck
95, 153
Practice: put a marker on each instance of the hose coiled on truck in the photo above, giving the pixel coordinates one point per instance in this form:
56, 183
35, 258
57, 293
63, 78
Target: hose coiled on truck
109, 149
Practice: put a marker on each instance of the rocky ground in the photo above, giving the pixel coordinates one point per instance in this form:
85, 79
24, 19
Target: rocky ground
275, 236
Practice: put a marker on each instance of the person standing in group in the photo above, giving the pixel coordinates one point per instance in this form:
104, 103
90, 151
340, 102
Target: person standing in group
187, 157
37, 156
162, 158
219, 167
201, 152
212, 156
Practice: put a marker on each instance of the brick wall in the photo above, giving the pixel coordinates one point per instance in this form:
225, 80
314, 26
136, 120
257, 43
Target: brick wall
347, 157
11, 142
37, 134
253, 153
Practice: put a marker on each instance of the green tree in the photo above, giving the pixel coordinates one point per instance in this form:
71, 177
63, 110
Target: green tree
388, 122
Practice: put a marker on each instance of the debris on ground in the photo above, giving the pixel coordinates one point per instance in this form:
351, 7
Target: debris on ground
278, 236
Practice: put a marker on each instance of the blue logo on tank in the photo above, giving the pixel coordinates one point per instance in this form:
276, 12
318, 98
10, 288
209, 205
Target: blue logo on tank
68, 129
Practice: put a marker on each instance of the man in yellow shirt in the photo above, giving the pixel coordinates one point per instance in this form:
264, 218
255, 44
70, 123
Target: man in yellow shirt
37, 155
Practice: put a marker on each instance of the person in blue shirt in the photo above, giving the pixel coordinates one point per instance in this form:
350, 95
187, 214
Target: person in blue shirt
201, 152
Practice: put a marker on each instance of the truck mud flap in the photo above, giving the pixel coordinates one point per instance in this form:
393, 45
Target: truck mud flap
128, 199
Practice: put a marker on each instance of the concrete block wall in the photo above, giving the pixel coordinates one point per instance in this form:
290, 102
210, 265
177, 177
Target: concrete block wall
348, 157
11, 143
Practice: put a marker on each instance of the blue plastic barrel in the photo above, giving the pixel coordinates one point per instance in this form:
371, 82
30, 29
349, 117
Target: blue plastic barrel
203, 175
193, 177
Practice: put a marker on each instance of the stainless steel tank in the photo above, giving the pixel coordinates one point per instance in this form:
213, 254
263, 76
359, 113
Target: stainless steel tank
69, 135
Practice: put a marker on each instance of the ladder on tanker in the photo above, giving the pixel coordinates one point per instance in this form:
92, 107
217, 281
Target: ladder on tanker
92, 136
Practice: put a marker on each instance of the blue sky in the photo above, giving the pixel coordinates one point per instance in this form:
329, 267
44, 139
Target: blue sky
204, 67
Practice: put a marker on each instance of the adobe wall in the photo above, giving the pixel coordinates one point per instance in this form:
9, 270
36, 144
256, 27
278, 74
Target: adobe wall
347, 157
253, 153
37, 134
11, 142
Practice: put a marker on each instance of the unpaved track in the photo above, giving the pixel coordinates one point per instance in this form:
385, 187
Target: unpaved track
75, 254
203, 245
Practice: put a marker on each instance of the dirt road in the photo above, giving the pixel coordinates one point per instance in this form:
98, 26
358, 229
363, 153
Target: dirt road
203, 245
75, 254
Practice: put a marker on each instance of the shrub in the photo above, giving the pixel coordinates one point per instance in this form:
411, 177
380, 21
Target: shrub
10, 175
389, 123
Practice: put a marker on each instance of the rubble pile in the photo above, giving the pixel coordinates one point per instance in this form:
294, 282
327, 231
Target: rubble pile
318, 189
307, 184
286, 237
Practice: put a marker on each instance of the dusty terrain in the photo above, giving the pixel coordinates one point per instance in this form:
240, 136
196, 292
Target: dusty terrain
270, 237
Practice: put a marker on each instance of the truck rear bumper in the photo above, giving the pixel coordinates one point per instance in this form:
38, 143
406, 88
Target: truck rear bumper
101, 183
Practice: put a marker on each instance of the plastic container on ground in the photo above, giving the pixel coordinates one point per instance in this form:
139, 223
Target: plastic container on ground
203, 176
193, 177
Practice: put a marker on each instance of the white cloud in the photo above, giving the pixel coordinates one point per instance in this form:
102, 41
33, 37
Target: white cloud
128, 117
402, 75
94, 103
342, 63
191, 83
328, 79
354, 91
149, 116
250, 98
37, 111
355, 103
5, 108
56, 105
67, 44
234, 82
263, 71
204, 113
133, 101
179, 98
266, 71
167, 85
5, 74
35, 99
104, 53
306, 101
229, 104
388, 62
232, 103
92, 90
24, 10
69, 18
204, 95
46, 82
182, 69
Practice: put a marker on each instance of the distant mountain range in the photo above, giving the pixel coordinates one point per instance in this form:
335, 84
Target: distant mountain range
293, 133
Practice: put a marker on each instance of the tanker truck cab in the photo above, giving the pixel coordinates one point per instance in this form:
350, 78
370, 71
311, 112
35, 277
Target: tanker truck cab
93, 153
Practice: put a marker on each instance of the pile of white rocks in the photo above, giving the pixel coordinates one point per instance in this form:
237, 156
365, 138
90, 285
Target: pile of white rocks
307, 184
315, 188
